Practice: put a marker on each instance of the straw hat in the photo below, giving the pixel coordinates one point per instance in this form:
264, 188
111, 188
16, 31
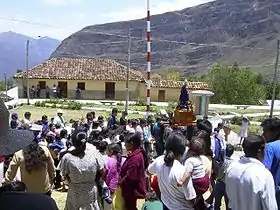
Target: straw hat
59, 111
11, 140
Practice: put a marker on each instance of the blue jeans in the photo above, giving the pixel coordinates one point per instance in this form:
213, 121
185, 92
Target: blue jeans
219, 193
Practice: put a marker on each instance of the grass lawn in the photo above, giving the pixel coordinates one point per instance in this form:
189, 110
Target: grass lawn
37, 113
239, 111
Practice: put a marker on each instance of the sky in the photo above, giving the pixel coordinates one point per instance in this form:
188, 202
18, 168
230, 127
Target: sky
60, 18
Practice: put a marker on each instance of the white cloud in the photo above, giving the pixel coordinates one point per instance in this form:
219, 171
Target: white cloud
161, 7
62, 2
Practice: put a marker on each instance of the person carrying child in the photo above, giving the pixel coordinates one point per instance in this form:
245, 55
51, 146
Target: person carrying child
195, 168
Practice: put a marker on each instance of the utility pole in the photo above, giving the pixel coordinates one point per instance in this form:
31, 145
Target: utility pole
6, 84
127, 71
27, 73
275, 80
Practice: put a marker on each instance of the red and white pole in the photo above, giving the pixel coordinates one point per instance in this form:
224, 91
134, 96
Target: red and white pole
148, 58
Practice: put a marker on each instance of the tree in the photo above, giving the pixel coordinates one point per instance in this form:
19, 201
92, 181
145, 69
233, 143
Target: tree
170, 74
234, 85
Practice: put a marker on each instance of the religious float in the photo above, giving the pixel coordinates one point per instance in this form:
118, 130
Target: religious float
184, 114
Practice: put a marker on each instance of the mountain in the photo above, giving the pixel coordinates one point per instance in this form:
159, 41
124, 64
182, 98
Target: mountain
228, 31
13, 51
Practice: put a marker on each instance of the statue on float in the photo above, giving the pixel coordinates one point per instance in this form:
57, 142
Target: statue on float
184, 114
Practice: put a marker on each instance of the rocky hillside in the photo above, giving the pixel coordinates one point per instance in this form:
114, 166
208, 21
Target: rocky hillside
191, 40
13, 51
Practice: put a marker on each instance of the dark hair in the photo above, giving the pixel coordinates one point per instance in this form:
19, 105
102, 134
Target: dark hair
35, 157
89, 116
252, 144
79, 141
63, 133
204, 125
27, 114
116, 151
103, 145
13, 124
44, 117
207, 142
196, 146
15, 186
114, 110
273, 125
229, 150
135, 140
174, 146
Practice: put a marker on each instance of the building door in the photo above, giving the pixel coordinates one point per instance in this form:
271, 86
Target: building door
63, 89
110, 90
161, 95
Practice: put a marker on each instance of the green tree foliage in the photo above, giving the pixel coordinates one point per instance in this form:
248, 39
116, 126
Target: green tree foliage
234, 85
170, 74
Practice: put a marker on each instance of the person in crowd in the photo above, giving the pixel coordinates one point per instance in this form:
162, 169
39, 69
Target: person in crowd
113, 118
114, 162
220, 186
132, 175
78, 92
244, 128
80, 167
37, 168
271, 134
38, 91
48, 92
204, 131
59, 119
54, 91
169, 171
152, 202
195, 167
14, 123
15, 191
219, 128
27, 119
249, 185
123, 118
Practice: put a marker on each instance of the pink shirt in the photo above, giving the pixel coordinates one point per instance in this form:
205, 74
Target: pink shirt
112, 172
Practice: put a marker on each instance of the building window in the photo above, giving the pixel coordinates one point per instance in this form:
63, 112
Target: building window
42, 85
81, 85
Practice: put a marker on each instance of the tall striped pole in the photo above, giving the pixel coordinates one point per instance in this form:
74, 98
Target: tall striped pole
148, 58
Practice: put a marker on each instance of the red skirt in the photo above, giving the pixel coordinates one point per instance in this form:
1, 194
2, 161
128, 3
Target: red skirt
201, 185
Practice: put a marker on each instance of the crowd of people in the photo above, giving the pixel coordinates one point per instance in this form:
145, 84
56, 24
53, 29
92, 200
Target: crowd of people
115, 163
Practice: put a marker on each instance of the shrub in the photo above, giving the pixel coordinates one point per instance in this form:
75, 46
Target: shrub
236, 120
140, 102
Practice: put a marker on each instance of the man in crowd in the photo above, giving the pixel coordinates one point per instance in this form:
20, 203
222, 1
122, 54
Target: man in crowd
249, 185
271, 134
59, 119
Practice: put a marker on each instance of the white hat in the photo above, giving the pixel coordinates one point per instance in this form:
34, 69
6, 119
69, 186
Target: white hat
11, 141
59, 111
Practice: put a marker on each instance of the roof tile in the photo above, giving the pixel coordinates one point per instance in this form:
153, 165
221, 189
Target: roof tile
81, 69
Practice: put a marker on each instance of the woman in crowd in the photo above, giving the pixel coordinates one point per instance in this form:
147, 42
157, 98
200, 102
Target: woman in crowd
114, 162
132, 177
37, 168
169, 171
80, 167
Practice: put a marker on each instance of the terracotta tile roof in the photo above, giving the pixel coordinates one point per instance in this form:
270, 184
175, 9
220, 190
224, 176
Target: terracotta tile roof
81, 69
178, 84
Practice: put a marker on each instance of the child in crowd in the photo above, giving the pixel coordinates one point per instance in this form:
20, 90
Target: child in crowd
195, 167
220, 187
152, 202
103, 189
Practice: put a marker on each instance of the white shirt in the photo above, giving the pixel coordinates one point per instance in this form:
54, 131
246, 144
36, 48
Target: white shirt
244, 128
195, 166
174, 197
57, 121
250, 185
213, 143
